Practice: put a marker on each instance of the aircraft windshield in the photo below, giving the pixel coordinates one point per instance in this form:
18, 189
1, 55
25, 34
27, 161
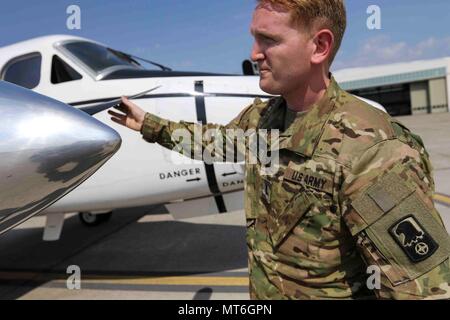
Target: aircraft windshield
99, 58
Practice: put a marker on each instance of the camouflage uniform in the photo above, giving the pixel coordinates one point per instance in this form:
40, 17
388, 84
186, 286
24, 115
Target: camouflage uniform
353, 189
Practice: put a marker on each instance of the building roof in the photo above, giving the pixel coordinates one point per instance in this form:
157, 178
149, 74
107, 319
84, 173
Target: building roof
382, 75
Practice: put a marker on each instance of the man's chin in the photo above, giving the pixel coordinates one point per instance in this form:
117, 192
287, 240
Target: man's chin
268, 87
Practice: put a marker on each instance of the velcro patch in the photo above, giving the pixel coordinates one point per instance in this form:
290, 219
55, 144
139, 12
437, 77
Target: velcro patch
309, 178
380, 198
413, 239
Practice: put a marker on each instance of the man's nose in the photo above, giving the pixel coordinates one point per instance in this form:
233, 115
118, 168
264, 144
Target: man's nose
257, 53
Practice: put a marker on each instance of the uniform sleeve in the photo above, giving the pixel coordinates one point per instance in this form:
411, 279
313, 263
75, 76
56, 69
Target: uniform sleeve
194, 140
386, 202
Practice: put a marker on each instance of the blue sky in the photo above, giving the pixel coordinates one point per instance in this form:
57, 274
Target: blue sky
213, 35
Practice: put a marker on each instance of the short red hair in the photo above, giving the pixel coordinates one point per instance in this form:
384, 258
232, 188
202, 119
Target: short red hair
329, 14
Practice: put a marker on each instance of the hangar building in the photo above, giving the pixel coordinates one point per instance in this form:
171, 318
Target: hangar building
410, 88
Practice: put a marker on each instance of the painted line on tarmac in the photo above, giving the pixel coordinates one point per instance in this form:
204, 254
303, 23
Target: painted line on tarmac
171, 281
442, 199
150, 288
232, 279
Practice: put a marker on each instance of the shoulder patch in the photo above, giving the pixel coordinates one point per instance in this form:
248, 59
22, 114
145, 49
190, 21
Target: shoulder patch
413, 239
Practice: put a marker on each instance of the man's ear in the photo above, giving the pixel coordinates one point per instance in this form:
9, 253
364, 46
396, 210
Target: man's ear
323, 43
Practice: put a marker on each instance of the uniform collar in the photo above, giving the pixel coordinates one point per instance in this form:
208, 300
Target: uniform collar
304, 133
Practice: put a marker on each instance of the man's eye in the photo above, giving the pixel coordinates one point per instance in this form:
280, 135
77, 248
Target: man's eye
268, 39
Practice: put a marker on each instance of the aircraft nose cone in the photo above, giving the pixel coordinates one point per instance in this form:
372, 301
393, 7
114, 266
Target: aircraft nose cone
47, 148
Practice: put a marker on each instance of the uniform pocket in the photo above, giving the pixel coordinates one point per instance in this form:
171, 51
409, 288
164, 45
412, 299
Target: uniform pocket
279, 226
290, 196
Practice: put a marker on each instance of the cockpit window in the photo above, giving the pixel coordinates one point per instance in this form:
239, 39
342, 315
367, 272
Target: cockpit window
62, 72
99, 58
24, 71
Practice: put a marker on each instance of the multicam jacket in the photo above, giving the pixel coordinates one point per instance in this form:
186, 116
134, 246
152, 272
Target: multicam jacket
349, 212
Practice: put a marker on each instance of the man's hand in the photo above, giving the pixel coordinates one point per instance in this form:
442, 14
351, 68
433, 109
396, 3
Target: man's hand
132, 116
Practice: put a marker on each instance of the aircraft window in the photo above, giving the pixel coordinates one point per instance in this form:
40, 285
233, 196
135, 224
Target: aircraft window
97, 57
62, 72
24, 71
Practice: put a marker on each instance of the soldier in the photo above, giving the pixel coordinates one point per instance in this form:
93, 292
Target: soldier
352, 195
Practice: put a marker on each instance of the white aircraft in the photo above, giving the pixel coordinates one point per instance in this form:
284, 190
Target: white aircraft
84, 73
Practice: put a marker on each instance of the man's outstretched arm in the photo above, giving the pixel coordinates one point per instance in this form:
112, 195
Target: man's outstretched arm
188, 138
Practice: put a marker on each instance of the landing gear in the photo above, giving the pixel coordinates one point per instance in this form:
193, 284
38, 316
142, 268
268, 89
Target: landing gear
89, 219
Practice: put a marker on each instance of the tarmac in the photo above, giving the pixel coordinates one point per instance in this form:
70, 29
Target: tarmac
142, 253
